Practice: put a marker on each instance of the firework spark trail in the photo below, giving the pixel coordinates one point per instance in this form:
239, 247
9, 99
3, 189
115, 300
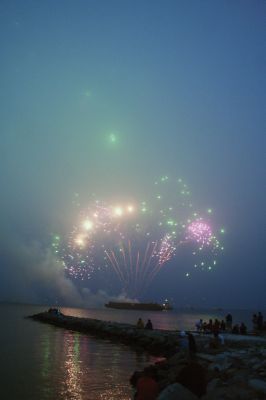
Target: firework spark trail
115, 265
163, 255
150, 265
130, 257
144, 261
150, 257
125, 263
137, 271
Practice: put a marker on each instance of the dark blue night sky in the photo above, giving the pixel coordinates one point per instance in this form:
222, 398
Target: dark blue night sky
181, 86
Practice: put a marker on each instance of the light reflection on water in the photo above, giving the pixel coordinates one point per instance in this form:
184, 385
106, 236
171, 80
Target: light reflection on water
71, 364
39, 361
74, 366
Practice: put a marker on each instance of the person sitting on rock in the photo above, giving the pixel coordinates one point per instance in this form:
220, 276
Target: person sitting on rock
255, 321
243, 329
149, 325
229, 321
193, 377
140, 324
147, 385
235, 329
222, 325
260, 321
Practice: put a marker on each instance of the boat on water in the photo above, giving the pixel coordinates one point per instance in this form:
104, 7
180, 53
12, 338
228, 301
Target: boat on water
139, 306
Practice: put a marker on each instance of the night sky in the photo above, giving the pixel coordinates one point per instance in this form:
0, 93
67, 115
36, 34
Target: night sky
180, 85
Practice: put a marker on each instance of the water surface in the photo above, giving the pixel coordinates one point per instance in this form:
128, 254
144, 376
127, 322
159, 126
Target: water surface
40, 361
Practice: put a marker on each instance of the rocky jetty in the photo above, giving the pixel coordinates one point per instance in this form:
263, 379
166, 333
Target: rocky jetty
233, 371
156, 342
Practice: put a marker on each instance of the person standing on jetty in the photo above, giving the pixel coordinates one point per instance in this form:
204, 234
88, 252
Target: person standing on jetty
229, 321
199, 325
260, 321
192, 347
255, 322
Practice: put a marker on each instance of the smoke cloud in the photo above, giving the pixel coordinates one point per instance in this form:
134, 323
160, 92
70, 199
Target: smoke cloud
33, 274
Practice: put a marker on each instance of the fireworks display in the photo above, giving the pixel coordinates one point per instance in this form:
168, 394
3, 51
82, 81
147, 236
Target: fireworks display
200, 231
136, 239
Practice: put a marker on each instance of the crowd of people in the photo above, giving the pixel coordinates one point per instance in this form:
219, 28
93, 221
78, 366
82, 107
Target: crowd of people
224, 325
216, 325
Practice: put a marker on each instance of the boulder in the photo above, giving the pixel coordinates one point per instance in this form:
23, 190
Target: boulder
176, 391
213, 384
258, 384
228, 393
220, 367
206, 357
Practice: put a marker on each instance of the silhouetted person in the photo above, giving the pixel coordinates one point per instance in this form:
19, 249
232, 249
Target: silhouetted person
193, 377
192, 347
210, 325
229, 321
140, 324
235, 329
243, 329
199, 325
222, 325
255, 321
260, 321
205, 326
147, 386
216, 326
149, 325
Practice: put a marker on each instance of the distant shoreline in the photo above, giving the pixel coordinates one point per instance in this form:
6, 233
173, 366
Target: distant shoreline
176, 308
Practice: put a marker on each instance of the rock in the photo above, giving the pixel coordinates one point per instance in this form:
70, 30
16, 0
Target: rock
253, 361
207, 357
258, 384
228, 393
238, 378
213, 384
220, 367
176, 391
176, 358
